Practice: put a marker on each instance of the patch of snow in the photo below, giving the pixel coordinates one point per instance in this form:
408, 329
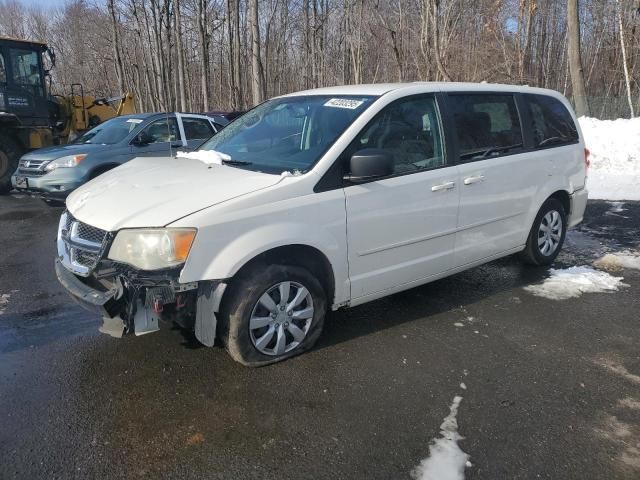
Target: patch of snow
630, 403
618, 261
208, 157
573, 282
446, 460
4, 301
458, 324
616, 207
615, 157
463, 386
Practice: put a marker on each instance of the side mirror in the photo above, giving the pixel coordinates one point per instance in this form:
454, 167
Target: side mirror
369, 164
143, 138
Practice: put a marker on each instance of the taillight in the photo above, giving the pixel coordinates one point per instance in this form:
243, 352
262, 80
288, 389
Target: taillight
587, 162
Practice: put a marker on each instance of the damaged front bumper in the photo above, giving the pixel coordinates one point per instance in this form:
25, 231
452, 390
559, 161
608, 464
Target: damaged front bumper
107, 303
134, 302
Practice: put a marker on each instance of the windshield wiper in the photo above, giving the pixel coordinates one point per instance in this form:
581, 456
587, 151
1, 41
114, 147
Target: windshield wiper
490, 151
236, 162
552, 140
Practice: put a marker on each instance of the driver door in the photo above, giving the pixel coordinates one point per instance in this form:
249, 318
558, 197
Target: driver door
401, 229
164, 139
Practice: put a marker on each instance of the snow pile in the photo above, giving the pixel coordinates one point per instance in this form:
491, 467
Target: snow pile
617, 261
4, 301
446, 460
208, 157
573, 282
615, 157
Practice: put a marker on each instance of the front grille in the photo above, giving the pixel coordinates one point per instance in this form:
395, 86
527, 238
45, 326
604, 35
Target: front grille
91, 234
32, 167
80, 246
86, 259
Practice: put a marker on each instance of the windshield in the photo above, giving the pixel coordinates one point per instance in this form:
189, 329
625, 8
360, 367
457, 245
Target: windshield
287, 134
110, 132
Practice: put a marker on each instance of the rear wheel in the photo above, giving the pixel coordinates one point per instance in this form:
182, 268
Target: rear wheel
547, 234
271, 313
9, 155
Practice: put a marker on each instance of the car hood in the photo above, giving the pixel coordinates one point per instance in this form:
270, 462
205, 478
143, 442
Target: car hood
51, 153
156, 191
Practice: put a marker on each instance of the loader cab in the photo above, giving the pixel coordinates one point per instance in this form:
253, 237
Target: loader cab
23, 93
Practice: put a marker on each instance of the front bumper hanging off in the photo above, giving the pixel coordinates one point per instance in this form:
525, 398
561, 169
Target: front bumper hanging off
107, 303
140, 303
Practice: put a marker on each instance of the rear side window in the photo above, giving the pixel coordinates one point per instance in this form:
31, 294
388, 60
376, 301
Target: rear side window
487, 125
197, 128
551, 121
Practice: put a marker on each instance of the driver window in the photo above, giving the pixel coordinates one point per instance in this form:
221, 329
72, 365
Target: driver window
159, 131
408, 129
3, 70
26, 70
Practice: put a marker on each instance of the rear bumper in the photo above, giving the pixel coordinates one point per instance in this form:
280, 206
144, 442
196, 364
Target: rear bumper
104, 303
578, 205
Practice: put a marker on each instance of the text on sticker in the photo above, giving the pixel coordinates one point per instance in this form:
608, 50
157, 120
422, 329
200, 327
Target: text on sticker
343, 103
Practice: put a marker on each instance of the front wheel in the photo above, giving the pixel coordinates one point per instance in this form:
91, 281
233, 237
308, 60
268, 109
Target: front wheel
271, 313
547, 234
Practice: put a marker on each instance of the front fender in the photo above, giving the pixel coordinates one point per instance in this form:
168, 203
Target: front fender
204, 263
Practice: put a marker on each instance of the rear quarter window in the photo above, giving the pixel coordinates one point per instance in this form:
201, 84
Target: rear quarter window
551, 122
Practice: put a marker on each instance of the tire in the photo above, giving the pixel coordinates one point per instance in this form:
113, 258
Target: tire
245, 321
10, 153
542, 248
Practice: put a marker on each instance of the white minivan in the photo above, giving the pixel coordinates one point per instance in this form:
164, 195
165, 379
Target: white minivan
324, 199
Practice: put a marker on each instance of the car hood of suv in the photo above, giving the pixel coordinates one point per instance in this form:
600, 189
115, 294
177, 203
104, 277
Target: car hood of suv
57, 151
156, 191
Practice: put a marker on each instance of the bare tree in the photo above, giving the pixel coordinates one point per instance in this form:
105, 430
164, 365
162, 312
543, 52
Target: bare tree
116, 47
624, 58
257, 73
182, 92
575, 60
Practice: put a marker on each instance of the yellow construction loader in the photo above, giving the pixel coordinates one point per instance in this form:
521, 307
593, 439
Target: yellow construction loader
31, 117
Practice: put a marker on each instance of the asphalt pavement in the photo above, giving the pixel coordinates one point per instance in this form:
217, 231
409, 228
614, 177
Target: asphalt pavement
552, 386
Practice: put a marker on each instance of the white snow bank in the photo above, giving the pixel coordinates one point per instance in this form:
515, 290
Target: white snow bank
615, 157
446, 460
573, 282
618, 261
208, 157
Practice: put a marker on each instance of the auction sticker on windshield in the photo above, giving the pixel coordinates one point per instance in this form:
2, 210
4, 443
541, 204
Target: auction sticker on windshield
343, 103
134, 120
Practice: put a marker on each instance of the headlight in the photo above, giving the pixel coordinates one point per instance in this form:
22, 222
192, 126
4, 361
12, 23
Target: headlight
152, 249
65, 162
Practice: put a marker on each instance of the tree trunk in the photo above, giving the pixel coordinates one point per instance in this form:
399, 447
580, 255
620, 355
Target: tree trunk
257, 78
182, 92
575, 61
435, 31
116, 47
624, 59
204, 52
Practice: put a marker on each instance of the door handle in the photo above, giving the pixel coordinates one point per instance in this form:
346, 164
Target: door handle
177, 145
476, 179
443, 186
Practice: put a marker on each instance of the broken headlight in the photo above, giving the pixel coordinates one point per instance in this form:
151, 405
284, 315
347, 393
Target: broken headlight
152, 249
